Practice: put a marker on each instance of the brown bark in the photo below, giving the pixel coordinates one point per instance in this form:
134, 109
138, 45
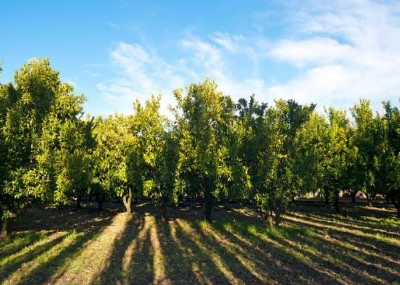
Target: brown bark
127, 200
369, 200
353, 196
336, 202
208, 204
3, 232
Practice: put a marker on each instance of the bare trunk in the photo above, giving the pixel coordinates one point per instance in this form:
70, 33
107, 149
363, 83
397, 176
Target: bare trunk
3, 232
326, 199
397, 206
3, 223
208, 203
127, 199
100, 202
369, 200
78, 202
353, 197
270, 220
336, 202
278, 218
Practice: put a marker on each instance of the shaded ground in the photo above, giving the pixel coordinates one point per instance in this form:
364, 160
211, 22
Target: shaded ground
314, 246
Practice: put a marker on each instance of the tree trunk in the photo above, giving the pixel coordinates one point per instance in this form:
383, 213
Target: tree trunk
326, 199
369, 200
164, 211
208, 204
78, 202
336, 202
127, 199
100, 202
3, 223
353, 196
397, 206
3, 232
278, 218
270, 221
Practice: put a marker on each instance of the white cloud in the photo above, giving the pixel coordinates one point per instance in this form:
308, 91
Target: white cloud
140, 74
311, 51
340, 51
348, 50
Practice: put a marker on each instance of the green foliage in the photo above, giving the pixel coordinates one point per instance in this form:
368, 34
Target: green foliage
205, 120
214, 150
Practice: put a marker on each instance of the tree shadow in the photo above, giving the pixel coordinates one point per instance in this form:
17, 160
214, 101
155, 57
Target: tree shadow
16, 243
113, 273
332, 228
284, 266
349, 225
15, 263
206, 268
176, 258
355, 260
43, 272
232, 260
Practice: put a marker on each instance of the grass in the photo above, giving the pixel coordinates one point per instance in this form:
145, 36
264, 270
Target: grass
313, 246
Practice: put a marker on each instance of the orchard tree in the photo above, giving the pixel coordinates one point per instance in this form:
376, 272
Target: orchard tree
250, 122
34, 96
388, 163
273, 177
74, 173
204, 115
114, 141
293, 116
323, 154
364, 138
155, 158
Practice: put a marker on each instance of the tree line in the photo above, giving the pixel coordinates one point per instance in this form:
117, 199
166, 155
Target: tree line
213, 149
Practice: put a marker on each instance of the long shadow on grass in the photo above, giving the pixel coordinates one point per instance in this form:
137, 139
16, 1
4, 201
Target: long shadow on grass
283, 265
16, 243
369, 243
113, 273
140, 269
326, 261
357, 245
47, 269
355, 260
230, 259
207, 269
15, 263
382, 250
332, 228
177, 258
363, 228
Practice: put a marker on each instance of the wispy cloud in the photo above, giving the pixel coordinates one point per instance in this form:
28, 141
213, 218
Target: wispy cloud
335, 54
351, 50
140, 73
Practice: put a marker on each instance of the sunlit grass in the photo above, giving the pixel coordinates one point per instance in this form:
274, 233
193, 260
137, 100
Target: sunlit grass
237, 248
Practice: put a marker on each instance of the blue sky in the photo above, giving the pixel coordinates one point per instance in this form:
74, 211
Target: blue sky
326, 52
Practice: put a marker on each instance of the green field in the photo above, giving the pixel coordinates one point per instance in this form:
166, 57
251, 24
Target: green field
313, 246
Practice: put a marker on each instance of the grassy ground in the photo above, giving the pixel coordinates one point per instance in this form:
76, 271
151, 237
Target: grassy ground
313, 246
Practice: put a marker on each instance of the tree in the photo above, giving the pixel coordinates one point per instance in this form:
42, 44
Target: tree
388, 161
250, 122
365, 140
323, 153
36, 94
154, 159
204, 115
114, 141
